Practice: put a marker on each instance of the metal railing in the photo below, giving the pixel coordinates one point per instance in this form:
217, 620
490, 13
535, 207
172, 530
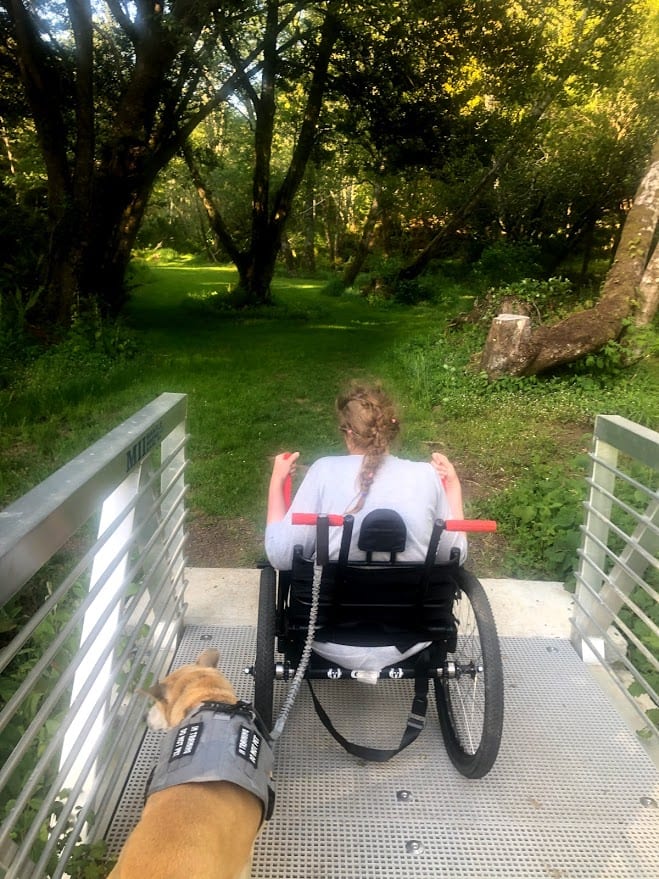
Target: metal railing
617, 598
91, 607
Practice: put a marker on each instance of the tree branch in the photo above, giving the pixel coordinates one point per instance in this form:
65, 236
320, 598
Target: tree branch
215, 219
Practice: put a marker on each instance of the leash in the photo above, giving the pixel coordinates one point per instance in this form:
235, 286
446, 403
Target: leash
294, 689
304, 659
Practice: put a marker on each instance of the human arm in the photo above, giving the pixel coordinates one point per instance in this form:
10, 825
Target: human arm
451, 483
283, 467
280, 535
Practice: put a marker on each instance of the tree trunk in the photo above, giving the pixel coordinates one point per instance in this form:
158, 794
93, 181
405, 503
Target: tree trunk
354, 267
211, 209
507, 345
648, 290
308, 254
629, 291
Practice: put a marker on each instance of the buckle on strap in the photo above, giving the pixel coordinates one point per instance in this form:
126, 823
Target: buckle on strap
240, 708
418, 721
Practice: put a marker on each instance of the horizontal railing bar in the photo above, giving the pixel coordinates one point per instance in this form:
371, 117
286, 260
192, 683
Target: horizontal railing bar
58, 738
58, 642
608, 552
10, 651
614, 616
33, 530
644, 521
621, 686
622, 658
620, 474
118, 701
633, 439
162, 646
153, 558
67, 676
640, 518
625, 599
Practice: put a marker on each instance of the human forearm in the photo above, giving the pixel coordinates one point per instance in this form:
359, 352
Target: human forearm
283, 467
450, 482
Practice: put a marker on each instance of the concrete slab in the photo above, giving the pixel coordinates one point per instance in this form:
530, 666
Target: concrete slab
530, 608
522, 608
222, 596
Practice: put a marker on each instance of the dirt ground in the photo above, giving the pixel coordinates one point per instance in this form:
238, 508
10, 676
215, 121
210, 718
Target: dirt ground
218, 542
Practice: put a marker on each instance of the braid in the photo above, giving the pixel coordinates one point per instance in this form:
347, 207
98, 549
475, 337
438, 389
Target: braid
367, 414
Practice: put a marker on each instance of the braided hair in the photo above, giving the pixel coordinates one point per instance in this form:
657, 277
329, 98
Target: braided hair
367, 414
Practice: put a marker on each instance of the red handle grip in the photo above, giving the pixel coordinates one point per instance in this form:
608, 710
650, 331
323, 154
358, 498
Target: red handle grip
470, 525
312, 518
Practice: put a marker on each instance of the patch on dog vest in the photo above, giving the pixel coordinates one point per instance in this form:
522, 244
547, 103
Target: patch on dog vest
218, 742
249, 745
186, 742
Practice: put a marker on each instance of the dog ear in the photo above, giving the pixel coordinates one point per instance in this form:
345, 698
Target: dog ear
209, 658
157, 692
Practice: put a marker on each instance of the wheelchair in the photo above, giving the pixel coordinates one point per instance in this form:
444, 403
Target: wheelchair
437, 615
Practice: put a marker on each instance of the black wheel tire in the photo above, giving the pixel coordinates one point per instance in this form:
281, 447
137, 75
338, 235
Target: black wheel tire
264, 666
470, 704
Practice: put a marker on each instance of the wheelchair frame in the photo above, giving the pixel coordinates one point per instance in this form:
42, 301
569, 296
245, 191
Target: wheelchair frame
441, 603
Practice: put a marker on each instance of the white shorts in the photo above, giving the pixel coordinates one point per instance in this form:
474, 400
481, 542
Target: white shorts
365, 658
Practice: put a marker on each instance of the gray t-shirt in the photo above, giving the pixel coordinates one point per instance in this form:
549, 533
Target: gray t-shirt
330, 486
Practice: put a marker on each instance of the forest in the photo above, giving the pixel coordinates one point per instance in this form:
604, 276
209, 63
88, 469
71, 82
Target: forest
371, 141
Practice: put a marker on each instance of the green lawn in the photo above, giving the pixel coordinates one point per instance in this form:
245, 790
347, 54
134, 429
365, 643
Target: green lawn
262, 381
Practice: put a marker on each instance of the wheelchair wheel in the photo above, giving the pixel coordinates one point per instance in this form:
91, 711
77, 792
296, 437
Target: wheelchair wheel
264, 666
470, 695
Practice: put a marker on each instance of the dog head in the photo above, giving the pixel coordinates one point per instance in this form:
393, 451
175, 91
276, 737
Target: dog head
187, 687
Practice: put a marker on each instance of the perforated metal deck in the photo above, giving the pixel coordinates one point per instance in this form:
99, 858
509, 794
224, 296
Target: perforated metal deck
572, 795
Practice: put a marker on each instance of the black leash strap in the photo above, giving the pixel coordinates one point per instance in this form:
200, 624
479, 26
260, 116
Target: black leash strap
415, 723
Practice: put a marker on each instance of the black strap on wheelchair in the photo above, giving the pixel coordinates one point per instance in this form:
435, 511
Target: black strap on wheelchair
415, 723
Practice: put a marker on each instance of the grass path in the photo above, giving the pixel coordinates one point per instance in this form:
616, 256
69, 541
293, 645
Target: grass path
263, 383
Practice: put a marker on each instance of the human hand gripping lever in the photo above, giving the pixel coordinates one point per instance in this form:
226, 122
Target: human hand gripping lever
280, 490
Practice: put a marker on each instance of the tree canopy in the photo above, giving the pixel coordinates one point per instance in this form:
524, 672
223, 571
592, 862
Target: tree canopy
420, 122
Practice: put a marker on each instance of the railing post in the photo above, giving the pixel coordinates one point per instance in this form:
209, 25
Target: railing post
113, 509
590, 611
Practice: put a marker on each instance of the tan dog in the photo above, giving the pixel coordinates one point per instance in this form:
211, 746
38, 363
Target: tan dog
197, 830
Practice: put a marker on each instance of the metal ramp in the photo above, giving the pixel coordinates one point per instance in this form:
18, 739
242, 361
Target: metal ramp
573, 794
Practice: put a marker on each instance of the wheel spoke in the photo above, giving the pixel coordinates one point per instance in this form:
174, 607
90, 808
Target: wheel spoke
470, 702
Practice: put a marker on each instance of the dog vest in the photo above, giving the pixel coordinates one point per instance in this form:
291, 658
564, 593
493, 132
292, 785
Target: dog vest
218, 742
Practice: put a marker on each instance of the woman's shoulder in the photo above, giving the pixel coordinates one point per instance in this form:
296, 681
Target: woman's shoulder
406, 464
335, 463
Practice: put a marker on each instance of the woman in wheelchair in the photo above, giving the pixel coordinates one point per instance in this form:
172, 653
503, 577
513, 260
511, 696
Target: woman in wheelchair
367, 478
392, 599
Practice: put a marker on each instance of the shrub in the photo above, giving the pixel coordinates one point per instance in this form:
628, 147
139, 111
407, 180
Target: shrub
541, 515
334, 288
505, 262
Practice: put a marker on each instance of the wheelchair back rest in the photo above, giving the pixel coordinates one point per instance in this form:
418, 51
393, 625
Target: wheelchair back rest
382, 531
398, 594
